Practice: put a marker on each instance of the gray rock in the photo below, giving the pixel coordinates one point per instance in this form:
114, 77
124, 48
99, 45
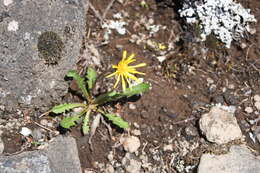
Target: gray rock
191, 131
238, 160
131, 163
61, 156
37, 134
220, 126
39, 42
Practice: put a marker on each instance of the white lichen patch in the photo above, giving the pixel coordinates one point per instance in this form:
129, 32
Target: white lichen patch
13, 26
7, 2
117, 25
226, 19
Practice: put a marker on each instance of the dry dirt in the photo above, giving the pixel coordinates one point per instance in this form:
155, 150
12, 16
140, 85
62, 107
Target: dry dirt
184, 86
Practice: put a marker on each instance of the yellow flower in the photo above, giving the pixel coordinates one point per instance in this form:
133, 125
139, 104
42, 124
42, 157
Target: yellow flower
124, 72
161, 46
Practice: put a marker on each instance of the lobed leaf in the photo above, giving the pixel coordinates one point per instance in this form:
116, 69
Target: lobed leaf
107, 97
113, 95
91, 76
117, 120
137, 89
65, 107
80, 82
68, 122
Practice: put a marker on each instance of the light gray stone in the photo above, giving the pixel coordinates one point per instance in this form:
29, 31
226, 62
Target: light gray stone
220, 126
27, 75
130, 143
238, 160
131, 163
61, 156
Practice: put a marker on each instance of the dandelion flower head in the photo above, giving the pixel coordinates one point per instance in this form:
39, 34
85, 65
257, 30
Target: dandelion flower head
125, 72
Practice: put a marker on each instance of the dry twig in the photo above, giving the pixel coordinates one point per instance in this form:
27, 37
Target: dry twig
97, 14
107, 9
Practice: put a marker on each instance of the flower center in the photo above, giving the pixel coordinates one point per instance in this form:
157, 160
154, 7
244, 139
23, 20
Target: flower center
122, 68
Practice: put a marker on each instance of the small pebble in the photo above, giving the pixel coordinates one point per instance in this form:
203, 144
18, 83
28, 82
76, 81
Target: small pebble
131, 143
13, 26
132, 106
37, 134
230, 98
109, 169
110, 156
191, 131
8, 2
257, 105
168, 147
25, 131
252, 31
2, 147
2, 108
231, 86
44, 122
258, 137
136, 125
161, 58
257, 98
243, 45
257, 102
249, 110
210, 81
131, 163
136, 132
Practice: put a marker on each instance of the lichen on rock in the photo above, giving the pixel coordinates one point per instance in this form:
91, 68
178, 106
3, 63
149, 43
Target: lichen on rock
50, 47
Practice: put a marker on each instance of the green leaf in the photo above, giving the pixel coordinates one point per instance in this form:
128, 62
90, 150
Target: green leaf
67, 122
107, 97
65, 107
91, 76
117, 120
85, 126
80, 82
137, 89
113, 95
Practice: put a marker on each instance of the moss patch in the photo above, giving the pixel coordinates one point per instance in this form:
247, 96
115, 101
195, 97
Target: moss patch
50, 47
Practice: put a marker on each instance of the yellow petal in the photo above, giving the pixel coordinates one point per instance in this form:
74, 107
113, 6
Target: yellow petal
138, 65
114, 66
108, 76
117, 80
127, 80
123, 83
134, 71
131, 56
131, 76
124, 55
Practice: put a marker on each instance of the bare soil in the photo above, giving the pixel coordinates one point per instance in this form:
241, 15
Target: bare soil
192, 78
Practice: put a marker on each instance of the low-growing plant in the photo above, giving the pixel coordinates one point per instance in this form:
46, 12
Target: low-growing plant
94, 105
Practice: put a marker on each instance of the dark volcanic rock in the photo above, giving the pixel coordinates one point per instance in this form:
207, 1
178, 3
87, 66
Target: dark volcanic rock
61, 156
39, 42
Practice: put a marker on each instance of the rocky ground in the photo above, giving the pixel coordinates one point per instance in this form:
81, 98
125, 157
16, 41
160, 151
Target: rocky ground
200, 115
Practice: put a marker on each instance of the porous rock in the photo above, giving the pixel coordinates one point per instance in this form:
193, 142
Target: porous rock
33, 67
130, 143
239, 159
61, 156
220, 126
131, 163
